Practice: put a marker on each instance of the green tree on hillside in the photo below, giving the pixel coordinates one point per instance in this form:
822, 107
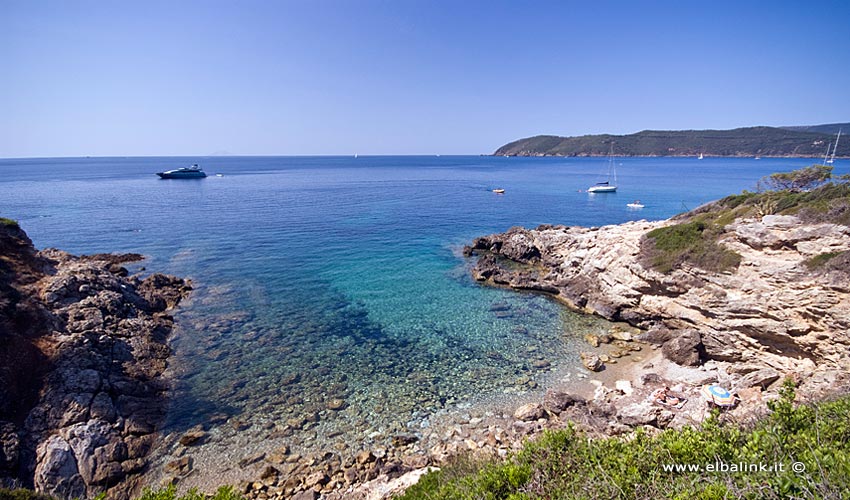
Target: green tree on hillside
803, 179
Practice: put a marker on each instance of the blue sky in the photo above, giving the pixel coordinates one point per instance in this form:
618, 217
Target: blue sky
404, 77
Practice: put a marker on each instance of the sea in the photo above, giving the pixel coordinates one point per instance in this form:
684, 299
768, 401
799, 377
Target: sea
331, 298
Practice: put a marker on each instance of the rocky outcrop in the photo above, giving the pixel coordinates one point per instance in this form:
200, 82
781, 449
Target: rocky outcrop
772, 312
83, 351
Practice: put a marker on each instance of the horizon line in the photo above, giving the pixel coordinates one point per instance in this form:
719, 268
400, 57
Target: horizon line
320, 155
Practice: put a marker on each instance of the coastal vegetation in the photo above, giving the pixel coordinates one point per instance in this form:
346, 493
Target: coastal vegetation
694, 243
821, 260
792, 451
170, 493
8, 222
811, 193
797, 451
799, 180
749, 141
22, 494
167, 493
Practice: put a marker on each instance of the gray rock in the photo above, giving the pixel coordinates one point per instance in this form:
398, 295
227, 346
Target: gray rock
529, 412
784, 221
721, 346
102, 408
305, 495
591, 361
658, 334
759, 378
639, 414
84, 439
684, 349
519, 245
83, 381
557, 401
10, 444
56, 471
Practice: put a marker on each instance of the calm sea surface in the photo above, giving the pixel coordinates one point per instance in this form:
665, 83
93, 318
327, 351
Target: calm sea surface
340, 278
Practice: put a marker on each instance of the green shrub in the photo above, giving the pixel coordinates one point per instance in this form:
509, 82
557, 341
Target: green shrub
677, 238
801, 179
819, 261
20, 493
735, 200
170, 493
8, 222
694, 243
566, 464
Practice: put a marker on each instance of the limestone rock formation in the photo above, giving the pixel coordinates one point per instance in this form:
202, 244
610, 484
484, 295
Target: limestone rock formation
772, 312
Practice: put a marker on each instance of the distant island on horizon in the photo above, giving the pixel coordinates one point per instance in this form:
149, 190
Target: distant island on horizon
793, 141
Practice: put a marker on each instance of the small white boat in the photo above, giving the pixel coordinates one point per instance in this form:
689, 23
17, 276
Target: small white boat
607, 186
602, 187
193, 172
700, 157
831, 160
635, 204
499, 191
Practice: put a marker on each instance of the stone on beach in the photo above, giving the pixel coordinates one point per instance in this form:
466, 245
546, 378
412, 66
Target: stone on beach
591, 361
557, 401
529, 412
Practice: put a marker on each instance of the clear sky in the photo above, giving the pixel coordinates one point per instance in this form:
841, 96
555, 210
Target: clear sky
187, 77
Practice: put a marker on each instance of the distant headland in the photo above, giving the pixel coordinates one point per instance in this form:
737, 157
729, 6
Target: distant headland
797, 141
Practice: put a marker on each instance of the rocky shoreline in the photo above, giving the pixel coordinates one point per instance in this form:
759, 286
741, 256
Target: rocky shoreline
493, 429
747, 330
770, 318
84, 350
85, 413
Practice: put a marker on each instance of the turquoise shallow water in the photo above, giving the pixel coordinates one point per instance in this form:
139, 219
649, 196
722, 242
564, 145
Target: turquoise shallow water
324, 278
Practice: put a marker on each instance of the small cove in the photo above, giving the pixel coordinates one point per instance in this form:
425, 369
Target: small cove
332, 308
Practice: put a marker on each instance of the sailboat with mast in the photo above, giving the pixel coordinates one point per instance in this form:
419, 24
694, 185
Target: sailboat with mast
607, 186
831, 159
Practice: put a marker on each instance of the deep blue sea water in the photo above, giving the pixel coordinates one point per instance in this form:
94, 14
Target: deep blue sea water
321, 278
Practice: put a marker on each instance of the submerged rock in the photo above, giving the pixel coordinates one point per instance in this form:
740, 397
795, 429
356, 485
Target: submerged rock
192, 437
